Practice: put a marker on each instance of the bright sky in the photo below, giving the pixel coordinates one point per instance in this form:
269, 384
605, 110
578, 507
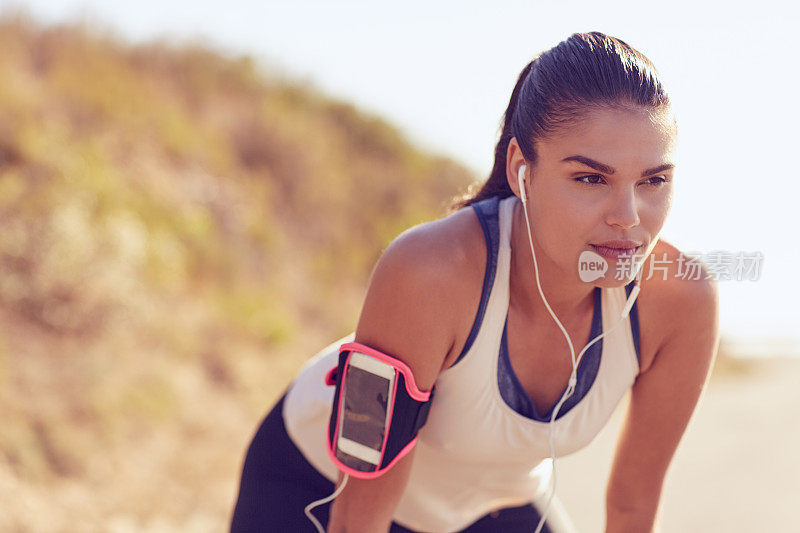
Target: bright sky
443, 72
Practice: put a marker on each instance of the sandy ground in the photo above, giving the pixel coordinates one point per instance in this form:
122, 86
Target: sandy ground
736, 469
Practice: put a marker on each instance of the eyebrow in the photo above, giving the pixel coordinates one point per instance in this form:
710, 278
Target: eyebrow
606, 169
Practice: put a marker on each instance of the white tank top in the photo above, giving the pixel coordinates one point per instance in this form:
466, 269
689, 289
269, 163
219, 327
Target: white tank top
476, 453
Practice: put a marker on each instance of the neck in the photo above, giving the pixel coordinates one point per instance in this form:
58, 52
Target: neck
569, 300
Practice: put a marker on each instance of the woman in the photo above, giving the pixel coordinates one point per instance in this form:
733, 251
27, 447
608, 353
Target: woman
588, 138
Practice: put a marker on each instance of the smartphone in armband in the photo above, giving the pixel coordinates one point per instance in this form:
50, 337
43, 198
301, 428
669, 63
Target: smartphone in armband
377, 411
365, 412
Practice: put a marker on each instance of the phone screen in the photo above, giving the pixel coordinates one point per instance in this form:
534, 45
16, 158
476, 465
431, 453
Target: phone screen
363, 418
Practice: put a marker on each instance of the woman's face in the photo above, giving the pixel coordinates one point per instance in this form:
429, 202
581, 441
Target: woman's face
608, 178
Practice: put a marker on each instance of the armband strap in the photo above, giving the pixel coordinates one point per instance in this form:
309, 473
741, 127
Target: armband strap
377, 411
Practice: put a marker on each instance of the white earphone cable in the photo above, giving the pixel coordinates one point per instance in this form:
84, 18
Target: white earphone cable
573, 380
311, 505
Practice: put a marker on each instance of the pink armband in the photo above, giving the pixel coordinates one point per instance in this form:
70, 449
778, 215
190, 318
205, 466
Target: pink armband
377, 411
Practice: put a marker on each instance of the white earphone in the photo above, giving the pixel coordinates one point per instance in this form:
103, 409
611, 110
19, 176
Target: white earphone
573, 378
521, 182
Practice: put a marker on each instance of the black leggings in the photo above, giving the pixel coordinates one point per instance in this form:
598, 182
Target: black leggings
278, 482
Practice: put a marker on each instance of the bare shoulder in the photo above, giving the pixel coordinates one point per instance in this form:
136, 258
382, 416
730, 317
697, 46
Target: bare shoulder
446, 243
419, 291
678, 296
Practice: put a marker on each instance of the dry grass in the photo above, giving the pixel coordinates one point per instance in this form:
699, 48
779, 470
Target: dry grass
181, 230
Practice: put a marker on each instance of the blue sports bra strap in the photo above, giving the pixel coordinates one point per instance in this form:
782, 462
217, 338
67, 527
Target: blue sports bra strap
487, 212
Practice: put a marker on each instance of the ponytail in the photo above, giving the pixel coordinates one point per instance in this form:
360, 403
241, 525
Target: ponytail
497, 184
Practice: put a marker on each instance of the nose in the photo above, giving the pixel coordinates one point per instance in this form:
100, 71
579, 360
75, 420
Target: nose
624, 212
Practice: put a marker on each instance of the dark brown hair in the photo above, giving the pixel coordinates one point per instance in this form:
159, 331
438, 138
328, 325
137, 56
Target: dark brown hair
585, 71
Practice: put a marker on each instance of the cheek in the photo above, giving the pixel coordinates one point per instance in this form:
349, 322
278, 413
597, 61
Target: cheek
564, 222
561, 205
656, 208
572, 216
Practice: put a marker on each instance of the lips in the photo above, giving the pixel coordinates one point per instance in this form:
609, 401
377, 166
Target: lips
619, 244
617, 249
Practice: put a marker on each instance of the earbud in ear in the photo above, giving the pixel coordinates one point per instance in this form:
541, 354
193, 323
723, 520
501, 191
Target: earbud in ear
521, 182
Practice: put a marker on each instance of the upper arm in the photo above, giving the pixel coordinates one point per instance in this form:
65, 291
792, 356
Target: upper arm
406, 314
664, 397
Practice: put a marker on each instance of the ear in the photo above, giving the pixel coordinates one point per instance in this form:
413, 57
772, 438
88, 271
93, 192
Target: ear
514, 160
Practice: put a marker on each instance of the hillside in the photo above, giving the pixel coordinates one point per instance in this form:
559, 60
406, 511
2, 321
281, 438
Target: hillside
180, 231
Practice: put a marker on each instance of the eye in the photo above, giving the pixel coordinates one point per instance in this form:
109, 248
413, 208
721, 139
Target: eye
657, 181
592, 179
